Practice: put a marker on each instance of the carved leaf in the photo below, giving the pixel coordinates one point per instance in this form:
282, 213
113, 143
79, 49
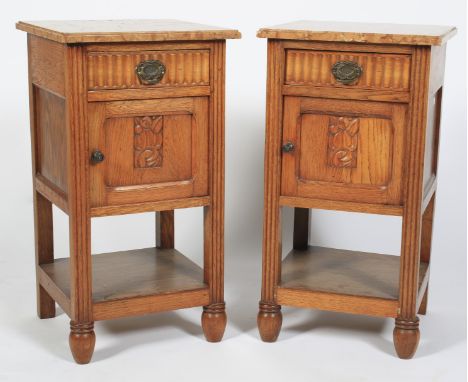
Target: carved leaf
148, 141
342, 141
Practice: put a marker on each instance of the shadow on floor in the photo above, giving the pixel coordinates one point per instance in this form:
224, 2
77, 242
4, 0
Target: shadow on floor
126, 332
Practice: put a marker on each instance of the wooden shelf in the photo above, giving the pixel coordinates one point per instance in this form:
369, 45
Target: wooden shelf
345, 281
132, 282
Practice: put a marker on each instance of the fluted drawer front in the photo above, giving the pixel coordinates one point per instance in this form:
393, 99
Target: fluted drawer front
378, 71
116, 70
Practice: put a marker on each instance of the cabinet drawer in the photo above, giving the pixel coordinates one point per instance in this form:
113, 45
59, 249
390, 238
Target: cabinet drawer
353, 70
118, 70
343, 150
150, 150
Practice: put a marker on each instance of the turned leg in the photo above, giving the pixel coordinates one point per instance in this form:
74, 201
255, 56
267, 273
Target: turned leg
214, 321
406, 337
269, 317
82, 340
426, 244
44, 243
214, 314
165, 229
269, 321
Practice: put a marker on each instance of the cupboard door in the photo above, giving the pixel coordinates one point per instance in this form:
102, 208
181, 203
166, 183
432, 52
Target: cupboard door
343, 150
152, 150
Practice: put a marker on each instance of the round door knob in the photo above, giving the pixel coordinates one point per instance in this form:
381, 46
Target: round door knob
97, 156
288, 147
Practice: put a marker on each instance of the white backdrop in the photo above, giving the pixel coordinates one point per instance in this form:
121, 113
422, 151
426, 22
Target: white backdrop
169, 346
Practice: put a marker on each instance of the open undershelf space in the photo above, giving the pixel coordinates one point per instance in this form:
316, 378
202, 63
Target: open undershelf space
341, 280
132, 282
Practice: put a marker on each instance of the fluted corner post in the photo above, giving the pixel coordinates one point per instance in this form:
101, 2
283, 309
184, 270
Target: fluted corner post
214, 317
82, 337
406, 332
269, 317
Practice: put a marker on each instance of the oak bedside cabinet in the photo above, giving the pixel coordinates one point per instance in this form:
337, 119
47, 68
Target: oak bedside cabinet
127, 117
353, 118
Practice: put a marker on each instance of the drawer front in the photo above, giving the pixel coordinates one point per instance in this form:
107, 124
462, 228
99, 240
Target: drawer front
152, 150
374, 71
118, 70
343, 150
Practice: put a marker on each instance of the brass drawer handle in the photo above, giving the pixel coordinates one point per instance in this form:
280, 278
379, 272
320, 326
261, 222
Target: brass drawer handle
97, 156
346, 72
288, 147
150, 72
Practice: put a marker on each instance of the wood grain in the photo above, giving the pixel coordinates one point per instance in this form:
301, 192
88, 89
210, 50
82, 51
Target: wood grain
378, 151
342, 273
337, 302
51, 151
426, 249
350, 93
214, 316
163, 149
116, 70
269, 317
379, 71
148, 93
165, 229
378, 33
53, 290
353, 155
134, 208
82, 338
47, 64
51, 192
381, 209
183, 168
431, 145
137, 282
411, 231
89, 31
43, 218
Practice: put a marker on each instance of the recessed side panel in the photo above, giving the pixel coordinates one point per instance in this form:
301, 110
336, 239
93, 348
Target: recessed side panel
51, 139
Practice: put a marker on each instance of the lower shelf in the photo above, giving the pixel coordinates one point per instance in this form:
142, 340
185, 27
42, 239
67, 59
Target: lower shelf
344, 281
132, 282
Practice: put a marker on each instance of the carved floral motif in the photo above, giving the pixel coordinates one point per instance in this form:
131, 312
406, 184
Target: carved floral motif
148, 141
342, 141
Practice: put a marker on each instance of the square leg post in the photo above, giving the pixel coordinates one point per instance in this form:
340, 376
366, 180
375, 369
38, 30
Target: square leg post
301, 228
44, 243
165, 229
426, 245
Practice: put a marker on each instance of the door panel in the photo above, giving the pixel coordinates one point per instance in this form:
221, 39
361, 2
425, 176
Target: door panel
153, 150
343, 150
